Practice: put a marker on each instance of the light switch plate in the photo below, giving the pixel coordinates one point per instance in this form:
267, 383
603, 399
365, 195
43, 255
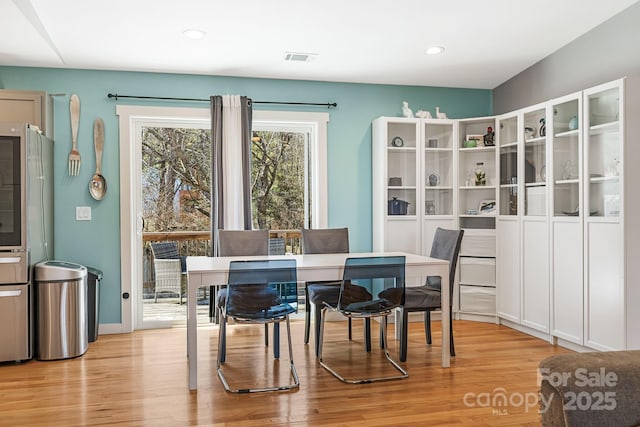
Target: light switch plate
83, 213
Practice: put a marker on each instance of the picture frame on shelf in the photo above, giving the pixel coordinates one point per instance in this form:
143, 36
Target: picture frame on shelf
487, 207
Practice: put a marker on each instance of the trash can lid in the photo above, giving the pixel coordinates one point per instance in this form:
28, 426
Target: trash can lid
59, 271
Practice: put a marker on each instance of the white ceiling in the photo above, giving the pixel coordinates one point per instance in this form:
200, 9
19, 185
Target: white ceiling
375, 41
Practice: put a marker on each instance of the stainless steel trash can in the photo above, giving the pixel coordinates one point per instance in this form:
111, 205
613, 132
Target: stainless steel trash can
61, 310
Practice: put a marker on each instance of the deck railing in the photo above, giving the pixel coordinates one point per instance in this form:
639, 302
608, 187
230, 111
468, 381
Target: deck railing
198, 243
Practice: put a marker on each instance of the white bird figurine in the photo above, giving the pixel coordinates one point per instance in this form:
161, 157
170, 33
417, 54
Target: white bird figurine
423, 114
439, 114
406, 111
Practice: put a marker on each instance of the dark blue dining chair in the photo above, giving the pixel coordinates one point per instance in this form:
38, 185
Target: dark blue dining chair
446, 245
371, 287
262, 292
238, 243
322, 241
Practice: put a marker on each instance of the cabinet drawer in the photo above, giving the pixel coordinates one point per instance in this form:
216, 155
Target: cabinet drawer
477, 271
478, 243
478, 299
14, 267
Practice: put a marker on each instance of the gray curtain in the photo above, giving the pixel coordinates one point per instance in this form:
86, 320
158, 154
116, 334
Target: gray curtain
218, 168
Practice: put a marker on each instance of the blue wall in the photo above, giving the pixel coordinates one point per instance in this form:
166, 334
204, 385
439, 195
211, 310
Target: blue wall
97, 243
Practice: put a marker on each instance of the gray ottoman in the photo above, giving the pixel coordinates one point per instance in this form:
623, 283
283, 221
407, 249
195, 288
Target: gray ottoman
591, 389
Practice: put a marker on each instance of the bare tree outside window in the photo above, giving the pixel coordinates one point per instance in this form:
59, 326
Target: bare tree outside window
176, 179
278, 180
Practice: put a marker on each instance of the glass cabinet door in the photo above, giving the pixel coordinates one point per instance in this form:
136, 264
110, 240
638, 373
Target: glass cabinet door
508, 146
535, 162
567, 155
11, 189
603, 150
403, 140
438, 168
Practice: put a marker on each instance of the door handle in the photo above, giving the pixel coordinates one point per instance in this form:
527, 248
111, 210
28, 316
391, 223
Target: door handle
10, 260
15, 293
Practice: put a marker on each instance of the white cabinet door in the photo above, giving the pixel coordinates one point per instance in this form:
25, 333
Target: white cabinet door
567, 297
396, 177
508, 269
535, 269
605, 327
605, 317
401, 236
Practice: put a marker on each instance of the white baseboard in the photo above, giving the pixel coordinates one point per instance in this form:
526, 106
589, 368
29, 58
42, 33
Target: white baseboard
476, 317
553, 340
111, 328
527, 330
573, 346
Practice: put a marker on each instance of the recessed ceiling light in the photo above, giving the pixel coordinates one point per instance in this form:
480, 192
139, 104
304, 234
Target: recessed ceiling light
434, 50
194, 34
299, 56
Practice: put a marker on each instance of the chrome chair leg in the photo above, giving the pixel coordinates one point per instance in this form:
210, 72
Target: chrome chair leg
403, 373
222, 359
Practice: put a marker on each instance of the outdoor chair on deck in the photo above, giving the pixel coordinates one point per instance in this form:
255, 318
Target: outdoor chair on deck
168, 266
260, 291
371, 287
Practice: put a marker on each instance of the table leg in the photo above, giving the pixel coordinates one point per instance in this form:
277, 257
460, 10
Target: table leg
192, 338
445, 316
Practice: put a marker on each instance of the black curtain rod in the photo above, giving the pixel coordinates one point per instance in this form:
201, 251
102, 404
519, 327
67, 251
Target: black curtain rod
162, 98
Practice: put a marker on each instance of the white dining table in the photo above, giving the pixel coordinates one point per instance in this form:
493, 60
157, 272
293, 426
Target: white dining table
213, 271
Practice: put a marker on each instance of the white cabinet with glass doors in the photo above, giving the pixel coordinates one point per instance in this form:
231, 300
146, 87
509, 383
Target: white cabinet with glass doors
438, 180
605, 323
534, 218
509, 129
564, 258
522, 223
587, 225
413, 182
565, 128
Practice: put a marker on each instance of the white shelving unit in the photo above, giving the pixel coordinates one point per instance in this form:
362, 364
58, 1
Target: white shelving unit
507, 224
477, 290
534, 219
396, 174
432, 171
413, 162
606, 325
556, 259
566, 220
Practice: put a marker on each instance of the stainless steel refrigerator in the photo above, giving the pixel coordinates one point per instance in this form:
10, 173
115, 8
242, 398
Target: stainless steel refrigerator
26, 231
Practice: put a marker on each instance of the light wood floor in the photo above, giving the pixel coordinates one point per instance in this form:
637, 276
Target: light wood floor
141, 379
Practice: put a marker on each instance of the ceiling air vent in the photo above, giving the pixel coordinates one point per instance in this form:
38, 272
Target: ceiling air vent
299, 57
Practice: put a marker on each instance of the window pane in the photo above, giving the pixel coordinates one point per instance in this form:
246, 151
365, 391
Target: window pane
176, 179
278, 180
